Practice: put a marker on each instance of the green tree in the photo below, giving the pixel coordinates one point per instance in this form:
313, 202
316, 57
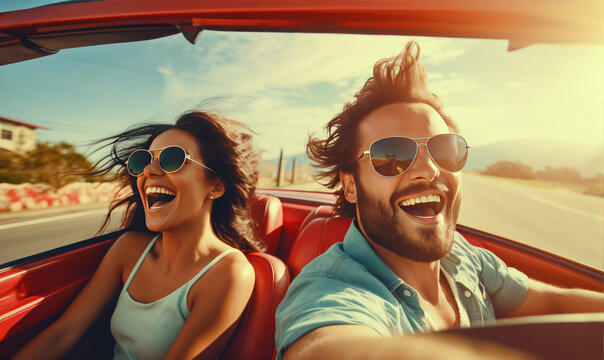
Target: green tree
53, 164
510, 169
10, 168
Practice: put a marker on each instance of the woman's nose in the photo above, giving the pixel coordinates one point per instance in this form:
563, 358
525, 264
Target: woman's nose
153, 168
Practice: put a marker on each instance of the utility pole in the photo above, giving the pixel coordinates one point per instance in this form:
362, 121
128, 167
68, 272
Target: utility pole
280, 169
293, 170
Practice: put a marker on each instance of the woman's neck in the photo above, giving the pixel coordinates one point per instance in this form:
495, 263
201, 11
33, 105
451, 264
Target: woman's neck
188, 243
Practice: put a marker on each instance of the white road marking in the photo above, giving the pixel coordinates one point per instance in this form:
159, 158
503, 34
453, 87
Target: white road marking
53, 218
565, 207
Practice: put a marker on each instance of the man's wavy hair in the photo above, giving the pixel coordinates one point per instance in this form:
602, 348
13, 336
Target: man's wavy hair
399, 79
226, 147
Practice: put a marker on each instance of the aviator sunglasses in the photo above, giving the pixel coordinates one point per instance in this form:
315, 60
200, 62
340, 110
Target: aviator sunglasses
392, 156
171, 159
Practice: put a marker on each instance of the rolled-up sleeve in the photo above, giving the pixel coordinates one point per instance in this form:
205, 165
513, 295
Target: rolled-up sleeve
314, 302
507, 287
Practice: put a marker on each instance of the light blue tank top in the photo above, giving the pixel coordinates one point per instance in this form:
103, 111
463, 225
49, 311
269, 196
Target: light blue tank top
146, 331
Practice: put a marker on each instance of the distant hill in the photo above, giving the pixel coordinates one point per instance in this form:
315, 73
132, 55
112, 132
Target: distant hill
538, 153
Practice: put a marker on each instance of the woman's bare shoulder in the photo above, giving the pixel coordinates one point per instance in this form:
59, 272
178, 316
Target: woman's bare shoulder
133, 240
236, 266
232, 274
222, 293
129, 246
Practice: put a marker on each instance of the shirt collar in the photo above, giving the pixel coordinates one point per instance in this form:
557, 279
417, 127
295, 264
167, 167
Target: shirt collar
358, 248
450, 263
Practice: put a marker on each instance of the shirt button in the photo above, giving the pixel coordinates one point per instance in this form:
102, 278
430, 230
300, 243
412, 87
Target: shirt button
467, 293
406, 292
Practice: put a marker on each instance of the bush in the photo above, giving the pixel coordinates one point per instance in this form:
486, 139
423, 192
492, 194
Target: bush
595, 185
564, 174
595, 188
12, 177
510, 169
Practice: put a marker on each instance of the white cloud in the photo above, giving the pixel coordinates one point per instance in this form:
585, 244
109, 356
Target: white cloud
292, 61
284, 84
454, 83
272, 80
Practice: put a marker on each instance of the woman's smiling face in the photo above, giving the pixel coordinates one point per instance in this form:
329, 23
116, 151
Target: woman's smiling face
173, 199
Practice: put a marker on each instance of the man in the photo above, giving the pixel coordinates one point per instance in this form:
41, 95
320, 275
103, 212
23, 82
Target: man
402, 268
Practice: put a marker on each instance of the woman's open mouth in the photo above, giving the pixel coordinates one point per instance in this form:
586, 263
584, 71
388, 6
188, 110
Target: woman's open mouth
158, 196
423, 206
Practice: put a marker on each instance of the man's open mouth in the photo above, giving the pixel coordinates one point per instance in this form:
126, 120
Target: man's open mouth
158, 196
427, 205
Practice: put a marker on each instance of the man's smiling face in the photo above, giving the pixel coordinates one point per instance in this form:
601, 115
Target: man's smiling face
413, 214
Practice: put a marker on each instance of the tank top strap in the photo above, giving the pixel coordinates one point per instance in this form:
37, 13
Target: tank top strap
208, 267
139, 262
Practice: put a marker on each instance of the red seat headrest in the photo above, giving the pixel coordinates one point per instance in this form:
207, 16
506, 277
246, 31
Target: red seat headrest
254, 337
267, 213
314, 239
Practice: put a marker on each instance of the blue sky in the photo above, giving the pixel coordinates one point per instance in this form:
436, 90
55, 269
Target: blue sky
287, 85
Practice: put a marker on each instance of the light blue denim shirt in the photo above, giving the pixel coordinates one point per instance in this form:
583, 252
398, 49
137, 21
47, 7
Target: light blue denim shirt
350, 284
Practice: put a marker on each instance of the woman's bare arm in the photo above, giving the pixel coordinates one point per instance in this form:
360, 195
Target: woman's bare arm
56, 340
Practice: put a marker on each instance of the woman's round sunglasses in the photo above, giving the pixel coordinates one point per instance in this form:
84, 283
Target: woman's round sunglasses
171, 159
392, 156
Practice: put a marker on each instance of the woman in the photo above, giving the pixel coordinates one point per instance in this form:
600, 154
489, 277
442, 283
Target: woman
180, 280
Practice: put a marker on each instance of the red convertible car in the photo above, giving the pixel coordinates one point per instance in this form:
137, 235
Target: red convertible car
297, 225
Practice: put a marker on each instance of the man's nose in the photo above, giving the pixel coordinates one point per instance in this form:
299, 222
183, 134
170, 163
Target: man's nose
423, 167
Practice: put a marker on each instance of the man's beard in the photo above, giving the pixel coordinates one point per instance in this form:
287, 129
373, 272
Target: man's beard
382, 225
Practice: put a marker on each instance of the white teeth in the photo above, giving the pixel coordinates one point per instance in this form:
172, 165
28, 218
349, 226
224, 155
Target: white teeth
421, 200
158, 190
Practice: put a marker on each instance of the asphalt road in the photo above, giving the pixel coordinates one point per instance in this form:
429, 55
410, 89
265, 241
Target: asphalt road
556, 220
28, 233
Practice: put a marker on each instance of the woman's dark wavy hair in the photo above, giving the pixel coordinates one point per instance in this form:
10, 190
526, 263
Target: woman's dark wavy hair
226, 147
398, 79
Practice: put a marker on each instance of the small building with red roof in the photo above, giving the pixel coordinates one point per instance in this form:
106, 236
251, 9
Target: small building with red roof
18, 136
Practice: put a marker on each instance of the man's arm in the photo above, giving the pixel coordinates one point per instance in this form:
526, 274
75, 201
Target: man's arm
514, 294
360, 342
543, 299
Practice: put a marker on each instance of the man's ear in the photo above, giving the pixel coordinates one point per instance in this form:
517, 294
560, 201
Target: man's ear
348, 186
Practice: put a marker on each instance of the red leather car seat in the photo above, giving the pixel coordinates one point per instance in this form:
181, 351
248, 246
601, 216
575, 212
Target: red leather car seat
267, 213
321, 211
254, 337
316, 237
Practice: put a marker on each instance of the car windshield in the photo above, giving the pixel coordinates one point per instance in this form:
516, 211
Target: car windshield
532, 118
